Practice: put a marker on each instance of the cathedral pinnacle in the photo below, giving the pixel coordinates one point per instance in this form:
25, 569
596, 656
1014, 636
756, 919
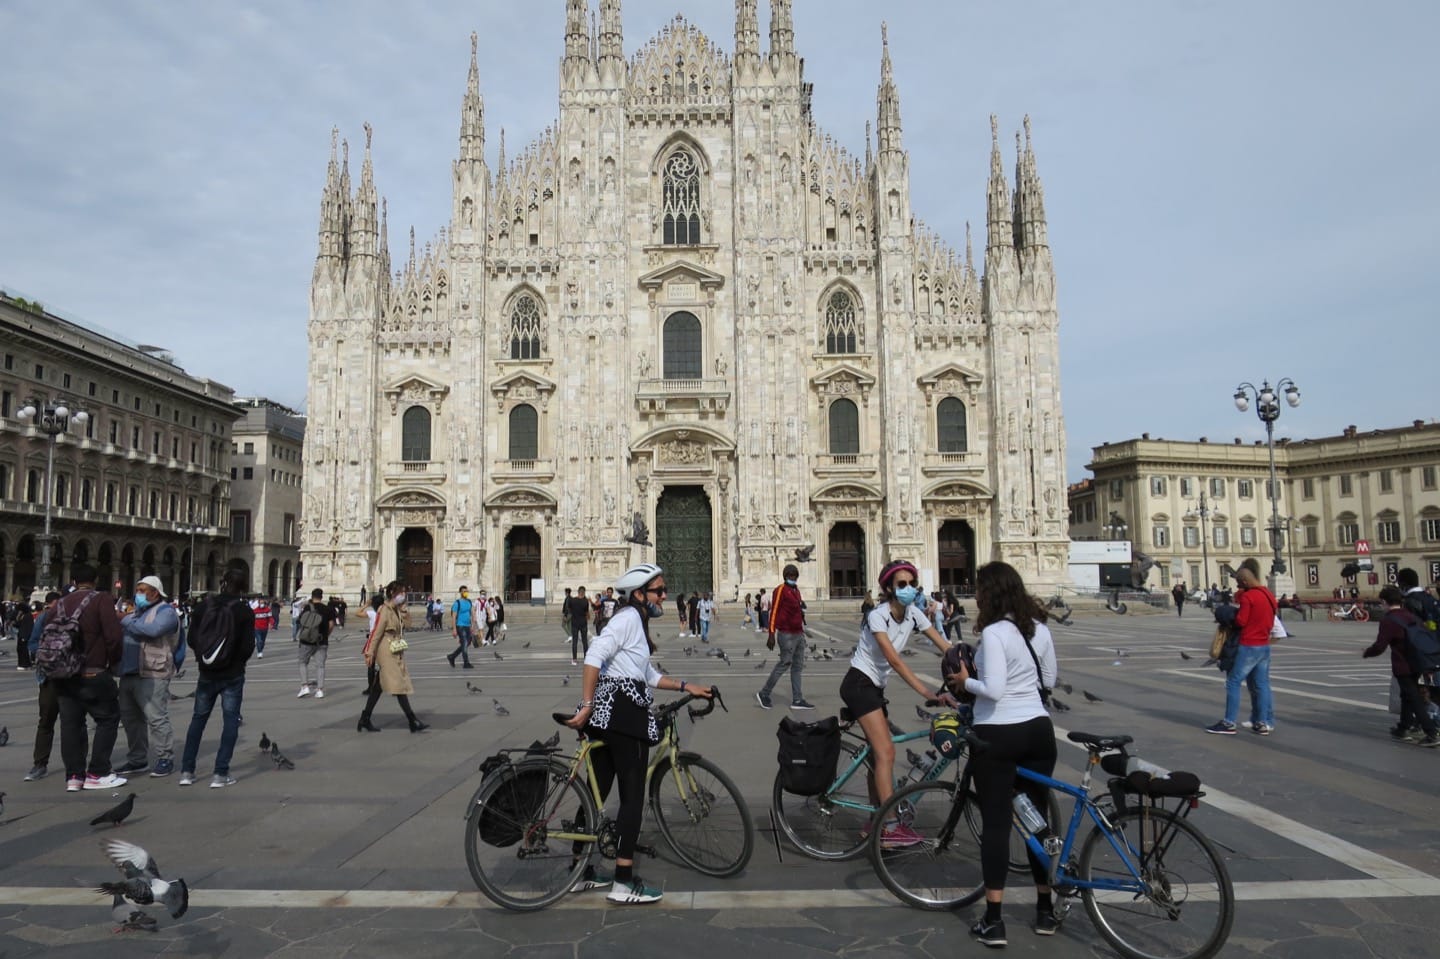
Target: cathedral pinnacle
577, 36
612, 41
747, 33
999, 227
472, 110
888, 99
1029, 196
782, 29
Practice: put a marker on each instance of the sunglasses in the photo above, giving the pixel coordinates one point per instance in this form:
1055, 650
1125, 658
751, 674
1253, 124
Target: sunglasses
658, 590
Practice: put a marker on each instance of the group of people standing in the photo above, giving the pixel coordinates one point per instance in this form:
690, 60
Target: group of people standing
475, 623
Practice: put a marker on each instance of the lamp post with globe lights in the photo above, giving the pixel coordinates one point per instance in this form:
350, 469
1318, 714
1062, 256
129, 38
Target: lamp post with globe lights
51, 417
1267, 407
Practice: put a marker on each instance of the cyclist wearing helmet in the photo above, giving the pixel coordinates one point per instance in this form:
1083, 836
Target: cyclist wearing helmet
882, 637
615, 709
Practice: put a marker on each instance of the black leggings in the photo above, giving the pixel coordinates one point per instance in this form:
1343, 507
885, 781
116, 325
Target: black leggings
625, 757
374, 697
1030, 744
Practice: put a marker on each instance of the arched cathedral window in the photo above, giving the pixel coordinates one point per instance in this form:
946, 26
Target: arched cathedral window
684, 352
681, 200
524, 432
844, 428
415, 435
525, 330
842, 329
950, 426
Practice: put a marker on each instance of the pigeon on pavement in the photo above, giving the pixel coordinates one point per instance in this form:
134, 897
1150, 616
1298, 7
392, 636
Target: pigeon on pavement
2, 804
473, 688
4, 735
1059, 706
761, 664
116, 815
1091, 696
278, 758
1065, 686
1185, 655
143, 883
264, 742
565, 681
497, 654
130, 919
525, 645
747, 650
189, 695
499, 709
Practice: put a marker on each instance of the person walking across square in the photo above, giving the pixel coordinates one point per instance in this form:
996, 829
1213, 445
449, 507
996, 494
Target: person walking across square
463, 612
787, 630
316, 622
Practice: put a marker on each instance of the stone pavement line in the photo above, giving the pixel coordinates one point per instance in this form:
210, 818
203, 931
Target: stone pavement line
1289, 692
1332, 847
675, 900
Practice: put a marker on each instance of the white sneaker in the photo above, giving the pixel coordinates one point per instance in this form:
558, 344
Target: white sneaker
304, 691
633, 892
259, 655
319, 694
111, 781
220, 782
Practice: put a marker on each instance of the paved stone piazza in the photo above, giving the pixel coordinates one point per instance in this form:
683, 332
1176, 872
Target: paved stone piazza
1327, 825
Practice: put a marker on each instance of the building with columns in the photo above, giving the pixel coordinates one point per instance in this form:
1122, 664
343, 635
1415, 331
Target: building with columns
1198, 508
683, 306
265, 479
140, 487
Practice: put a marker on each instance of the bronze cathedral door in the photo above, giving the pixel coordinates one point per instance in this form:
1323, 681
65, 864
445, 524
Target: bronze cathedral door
684, 545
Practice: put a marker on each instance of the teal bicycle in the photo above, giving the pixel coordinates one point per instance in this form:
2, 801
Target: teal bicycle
835, 824
1150, 881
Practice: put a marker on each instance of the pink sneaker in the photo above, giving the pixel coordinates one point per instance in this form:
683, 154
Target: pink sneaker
900, 837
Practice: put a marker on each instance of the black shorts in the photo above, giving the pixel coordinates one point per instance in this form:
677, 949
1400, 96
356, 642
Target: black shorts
861, 695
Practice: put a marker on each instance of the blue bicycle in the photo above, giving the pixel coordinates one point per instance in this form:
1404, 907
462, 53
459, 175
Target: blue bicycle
1151, 882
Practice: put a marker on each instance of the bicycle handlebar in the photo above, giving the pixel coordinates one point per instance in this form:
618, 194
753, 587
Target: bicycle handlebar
665, 711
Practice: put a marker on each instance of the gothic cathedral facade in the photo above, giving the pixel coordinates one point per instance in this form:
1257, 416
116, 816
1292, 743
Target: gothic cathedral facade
682, 311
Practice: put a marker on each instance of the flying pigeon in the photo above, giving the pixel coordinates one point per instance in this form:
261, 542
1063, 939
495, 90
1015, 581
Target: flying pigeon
143, 884
1091, 696
805, 554
116, 815
473, 688
129, 918
278, 758
4, 735
1185, 655
264, 742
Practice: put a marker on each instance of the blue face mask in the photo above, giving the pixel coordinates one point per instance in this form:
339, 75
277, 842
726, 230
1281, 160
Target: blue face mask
906, 595
792, 582
141, 600
655, 610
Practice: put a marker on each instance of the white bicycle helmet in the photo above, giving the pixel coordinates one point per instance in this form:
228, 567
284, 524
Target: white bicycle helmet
636, 577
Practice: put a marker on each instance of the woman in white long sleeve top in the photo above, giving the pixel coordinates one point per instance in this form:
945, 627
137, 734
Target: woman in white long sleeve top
1015, 659
616, 710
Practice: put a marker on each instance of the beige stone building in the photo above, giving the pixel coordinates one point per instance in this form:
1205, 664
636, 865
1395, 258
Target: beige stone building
265, 482
1377, 486
150, 459
684, 304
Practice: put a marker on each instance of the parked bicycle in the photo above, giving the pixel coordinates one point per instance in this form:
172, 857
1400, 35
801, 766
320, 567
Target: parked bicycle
833, 825
1354, 612
536, 821
1150, 881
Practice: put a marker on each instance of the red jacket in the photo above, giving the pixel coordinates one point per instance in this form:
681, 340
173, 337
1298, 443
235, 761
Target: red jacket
786, 616
1256, 616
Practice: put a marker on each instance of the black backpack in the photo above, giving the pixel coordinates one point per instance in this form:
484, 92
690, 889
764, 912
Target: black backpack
61, 653
1422, 647
809, 755
214, 636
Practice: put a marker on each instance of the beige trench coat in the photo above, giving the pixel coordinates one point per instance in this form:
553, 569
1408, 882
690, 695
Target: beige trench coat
394, 676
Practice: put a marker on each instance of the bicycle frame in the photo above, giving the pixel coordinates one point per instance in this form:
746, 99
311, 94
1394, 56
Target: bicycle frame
936, 771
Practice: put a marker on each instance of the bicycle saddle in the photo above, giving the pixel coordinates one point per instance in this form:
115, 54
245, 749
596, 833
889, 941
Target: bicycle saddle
1102, 743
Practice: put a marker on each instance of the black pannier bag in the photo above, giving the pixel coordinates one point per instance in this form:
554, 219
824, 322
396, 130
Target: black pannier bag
809, 755
514, 805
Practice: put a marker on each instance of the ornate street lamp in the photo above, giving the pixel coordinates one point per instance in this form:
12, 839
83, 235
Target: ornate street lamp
192, 528
1267, 407
51, 417
1202, 512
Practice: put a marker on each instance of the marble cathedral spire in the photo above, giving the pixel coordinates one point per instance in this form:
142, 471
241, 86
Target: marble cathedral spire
472, 110
1000, 227
782, 29
747, 33
887, 100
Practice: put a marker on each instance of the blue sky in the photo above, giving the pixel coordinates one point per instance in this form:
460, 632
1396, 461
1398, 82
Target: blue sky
1236, 190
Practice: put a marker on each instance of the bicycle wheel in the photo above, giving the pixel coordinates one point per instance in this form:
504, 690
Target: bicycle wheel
508, 829
702, 815
942, 871
1019, 851
1189, 904
1362, 615
827, 826
1333, 615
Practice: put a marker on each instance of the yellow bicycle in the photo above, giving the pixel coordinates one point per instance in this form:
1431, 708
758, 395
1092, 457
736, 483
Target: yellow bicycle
536, 821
